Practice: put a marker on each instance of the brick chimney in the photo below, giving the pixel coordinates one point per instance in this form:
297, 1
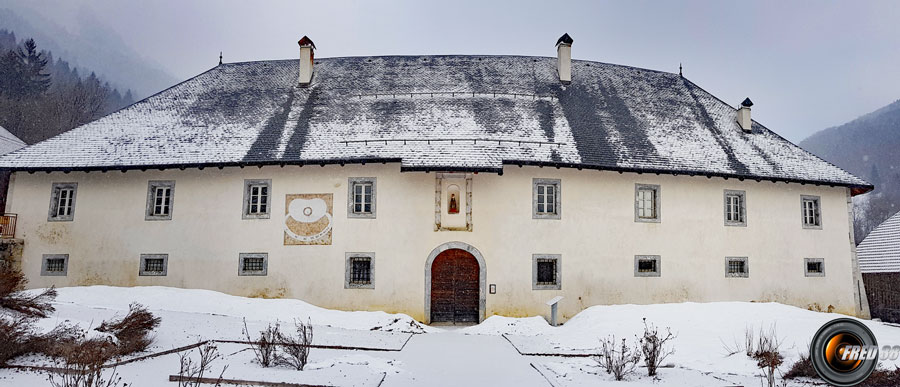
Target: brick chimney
743, 115
306, 60
564, 58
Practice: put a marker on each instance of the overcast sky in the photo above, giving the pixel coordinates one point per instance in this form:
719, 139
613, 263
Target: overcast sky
806, 65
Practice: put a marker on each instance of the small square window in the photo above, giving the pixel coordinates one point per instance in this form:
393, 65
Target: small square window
815, 267
546, 272
646, 203
55, 265
62, 202
359, 271
257, 198
361, 197
646, 266
160, 200
810, 212
546, 199
735, 208
253, 264
737, 267
154, 264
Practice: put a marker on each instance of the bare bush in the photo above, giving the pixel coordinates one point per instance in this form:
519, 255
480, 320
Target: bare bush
767, 354
618, 360
12, 296
133, 330
16, 337
82, 365
265, 347
883, 378
653, 346
191, 373
802, 368
296, 348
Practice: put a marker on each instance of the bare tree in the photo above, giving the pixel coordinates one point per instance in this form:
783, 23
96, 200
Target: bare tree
191, 374
618, 360
653, 346
296, 348
265, 347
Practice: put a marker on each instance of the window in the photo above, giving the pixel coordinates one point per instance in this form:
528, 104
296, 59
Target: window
359, 271
361, 197
55, 265
815, 267
646, 203
62, 202
256, 199
546, 272
735, 208
646, 266
253, 264
160, 200
810, 212
154, 264
737, 267
546, 199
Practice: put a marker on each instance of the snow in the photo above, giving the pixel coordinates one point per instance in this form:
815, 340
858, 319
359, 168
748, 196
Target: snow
495, 352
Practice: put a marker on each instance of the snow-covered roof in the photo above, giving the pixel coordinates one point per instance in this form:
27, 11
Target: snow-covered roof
879, 252
473, 113
9, 142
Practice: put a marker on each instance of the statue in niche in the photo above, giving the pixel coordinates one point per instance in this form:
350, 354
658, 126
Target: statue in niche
453, 206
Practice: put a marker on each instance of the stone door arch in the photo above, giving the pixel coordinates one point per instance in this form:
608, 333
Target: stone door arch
450, 285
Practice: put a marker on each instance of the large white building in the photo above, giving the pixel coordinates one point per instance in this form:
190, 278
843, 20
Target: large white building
450, 188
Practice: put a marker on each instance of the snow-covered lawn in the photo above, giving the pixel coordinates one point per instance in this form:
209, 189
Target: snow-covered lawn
398, 351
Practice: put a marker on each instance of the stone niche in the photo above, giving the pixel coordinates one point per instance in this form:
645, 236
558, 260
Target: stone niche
453, 202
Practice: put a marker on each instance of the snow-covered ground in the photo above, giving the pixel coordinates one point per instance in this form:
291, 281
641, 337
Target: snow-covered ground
398, 351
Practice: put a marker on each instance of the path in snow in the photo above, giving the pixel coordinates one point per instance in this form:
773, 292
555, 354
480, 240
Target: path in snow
455, 359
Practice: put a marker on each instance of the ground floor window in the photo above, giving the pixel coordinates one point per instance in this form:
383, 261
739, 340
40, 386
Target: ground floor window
546, 272
646, 266
360, 271
737, 267
154, 264
253, 264
55, 265
815, 267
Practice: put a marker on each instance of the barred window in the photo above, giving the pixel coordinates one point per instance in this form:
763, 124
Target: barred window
154, 264
546, 198
55, 265
160, 200
815, 267
62, 202
646, 206
546, 272
735, 212
360, 271
736, 267
253, 264
646, 266
361, 197
810, 212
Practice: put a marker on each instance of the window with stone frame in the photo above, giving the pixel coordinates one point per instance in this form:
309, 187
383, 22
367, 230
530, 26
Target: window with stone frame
735, 208
737, 267
810, 212
815, 267
546, 198
360, 271
546, 272
55, 265
253, 264
257, 198
160, 200
154, 265
646, 203
647, 266
361, 197
62, 202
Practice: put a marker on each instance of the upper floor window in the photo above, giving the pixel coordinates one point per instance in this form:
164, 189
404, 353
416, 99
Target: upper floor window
810, 212
361, 197
256, 199
546, 199
735, 208
160, 200
359, 271
646, 203
62, 202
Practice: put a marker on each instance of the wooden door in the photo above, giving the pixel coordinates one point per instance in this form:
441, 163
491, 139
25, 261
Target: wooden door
454, 287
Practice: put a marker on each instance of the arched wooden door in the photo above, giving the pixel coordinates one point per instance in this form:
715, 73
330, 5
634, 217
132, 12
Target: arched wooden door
454, 287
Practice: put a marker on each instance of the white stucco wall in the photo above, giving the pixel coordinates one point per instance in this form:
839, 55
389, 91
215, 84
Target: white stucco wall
596, 236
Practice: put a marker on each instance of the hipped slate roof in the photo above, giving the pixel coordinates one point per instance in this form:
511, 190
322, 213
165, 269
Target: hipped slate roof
9, 142
879, 252
473, 113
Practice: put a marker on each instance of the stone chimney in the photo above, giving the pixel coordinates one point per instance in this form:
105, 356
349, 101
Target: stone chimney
743, 115
306, 60
564, 58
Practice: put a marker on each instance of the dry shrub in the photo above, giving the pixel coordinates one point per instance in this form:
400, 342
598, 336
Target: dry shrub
882, 378
653, 346
12, 282
296, 348
803, 368
16, 337
82, 364
767, 354
133, 330
265, 348
618, 360
191, 373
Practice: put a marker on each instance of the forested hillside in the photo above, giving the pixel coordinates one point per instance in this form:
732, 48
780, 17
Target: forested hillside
42, 96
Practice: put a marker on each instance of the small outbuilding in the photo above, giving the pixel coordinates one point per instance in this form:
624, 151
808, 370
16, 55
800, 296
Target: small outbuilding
879, 262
